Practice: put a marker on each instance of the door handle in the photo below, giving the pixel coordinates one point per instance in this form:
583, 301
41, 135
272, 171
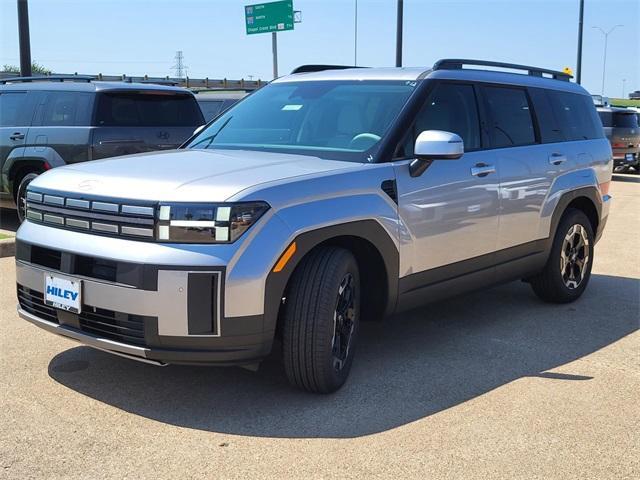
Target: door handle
482, 170
16, 136
557, 158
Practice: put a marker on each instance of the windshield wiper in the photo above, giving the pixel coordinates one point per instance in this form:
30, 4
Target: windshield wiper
213, 137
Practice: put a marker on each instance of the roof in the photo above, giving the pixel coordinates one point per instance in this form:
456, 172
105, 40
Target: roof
92, 86
422, 73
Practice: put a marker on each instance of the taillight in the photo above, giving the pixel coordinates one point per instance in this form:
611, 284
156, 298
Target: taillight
617, 145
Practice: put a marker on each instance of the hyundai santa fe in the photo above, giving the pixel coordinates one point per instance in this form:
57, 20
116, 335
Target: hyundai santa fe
330, 197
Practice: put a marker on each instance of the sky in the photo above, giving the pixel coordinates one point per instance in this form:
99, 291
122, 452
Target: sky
137, 37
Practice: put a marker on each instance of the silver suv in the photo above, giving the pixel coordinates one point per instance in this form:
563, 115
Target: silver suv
329, 197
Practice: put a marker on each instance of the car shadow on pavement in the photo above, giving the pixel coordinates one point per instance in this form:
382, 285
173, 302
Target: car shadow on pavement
420, 364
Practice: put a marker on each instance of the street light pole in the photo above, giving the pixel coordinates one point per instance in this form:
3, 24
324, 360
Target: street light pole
399, 34
604, 60
624, 80
274, 50
23, 37
355, 37
580, 29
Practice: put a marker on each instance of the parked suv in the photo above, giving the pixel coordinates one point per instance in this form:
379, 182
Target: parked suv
622, 130
322, 200
46, 122
213, 103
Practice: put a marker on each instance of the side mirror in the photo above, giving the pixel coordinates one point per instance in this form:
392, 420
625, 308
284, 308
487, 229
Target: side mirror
199, 129
435, 145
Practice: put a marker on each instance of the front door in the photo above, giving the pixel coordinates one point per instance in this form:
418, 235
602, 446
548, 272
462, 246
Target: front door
449, 213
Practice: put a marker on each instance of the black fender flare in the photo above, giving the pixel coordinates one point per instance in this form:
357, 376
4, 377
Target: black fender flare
369, 230
591, 193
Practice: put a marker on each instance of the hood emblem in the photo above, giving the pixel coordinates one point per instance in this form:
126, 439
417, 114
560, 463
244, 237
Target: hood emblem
87, 185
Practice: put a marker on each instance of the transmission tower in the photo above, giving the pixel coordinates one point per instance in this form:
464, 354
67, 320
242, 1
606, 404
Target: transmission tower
179, 67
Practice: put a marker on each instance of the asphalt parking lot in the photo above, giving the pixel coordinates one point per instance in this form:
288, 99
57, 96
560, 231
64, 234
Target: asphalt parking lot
492, 385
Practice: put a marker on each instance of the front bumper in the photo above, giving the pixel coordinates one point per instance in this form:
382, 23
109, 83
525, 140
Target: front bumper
155, 312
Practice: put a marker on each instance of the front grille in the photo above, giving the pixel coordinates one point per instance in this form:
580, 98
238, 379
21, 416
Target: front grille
96, 215
109, 324
33, 302
113, 325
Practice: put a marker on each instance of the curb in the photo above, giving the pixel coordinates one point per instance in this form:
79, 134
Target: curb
8, 247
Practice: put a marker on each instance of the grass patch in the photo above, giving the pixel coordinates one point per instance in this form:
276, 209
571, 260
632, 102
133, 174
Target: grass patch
3, 236
624, 102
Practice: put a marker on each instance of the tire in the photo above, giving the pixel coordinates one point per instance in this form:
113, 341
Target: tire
321, 320
21, 192
563, 285
621, 169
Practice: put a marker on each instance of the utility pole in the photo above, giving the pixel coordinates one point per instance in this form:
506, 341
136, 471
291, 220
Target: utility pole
399, 34
624, 80
23, 37
580, 29
274, 49
604, 60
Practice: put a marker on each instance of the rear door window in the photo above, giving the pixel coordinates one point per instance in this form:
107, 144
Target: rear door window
576, 115
510, 122
550, 131
147, 110
13, 111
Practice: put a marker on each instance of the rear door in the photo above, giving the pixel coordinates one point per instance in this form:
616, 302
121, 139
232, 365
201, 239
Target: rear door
132, 122
525, 164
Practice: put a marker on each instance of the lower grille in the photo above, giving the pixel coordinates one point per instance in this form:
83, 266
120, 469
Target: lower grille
113, 325
109, 324
33, 302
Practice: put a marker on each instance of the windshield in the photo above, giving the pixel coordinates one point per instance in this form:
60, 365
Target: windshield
336, 120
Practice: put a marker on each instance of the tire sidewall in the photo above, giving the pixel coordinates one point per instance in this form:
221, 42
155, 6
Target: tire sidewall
339, 377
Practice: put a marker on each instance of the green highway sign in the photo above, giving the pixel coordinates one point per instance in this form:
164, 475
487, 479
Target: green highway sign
269, 17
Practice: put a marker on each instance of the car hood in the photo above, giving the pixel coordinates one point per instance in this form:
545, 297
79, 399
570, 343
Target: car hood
182, 175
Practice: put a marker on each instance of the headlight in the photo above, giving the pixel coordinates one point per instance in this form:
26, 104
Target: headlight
207, 223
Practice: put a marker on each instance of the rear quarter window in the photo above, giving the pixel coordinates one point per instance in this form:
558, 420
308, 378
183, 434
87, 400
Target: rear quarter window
65, 109
147, 110
576, 115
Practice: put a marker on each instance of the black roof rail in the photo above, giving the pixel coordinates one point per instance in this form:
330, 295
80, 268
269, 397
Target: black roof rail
320, 68
52, 78
457, 64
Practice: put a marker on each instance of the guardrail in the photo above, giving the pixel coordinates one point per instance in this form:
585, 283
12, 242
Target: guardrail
191, 83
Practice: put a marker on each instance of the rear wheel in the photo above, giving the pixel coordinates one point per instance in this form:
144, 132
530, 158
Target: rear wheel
321, 320
568, 269
21, 194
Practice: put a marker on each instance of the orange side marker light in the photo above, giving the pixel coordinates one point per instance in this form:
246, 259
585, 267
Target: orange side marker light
286, 256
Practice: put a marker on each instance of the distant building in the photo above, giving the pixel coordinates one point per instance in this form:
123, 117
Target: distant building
635, 95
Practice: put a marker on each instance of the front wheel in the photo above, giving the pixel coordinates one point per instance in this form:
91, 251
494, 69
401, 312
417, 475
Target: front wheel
568, 269
321, 318
21, 195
